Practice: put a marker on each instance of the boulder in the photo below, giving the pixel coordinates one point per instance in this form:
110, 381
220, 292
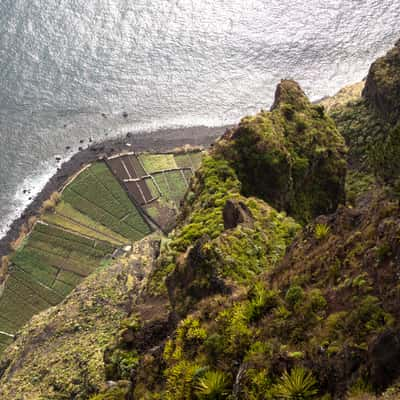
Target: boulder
235, 213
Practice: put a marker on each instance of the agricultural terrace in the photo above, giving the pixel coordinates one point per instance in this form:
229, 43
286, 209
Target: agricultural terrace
108, 205
156, 182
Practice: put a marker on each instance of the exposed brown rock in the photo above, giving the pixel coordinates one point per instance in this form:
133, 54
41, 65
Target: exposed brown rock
235, 213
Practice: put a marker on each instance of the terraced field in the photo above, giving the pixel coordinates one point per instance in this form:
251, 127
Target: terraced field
157, 182
107, 206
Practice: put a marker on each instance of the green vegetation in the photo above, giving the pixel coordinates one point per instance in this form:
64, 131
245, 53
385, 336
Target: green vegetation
321, 231
172, 184
212, 386
298, 385
93, 194
157, 162
68, 218
189, 160
292, 157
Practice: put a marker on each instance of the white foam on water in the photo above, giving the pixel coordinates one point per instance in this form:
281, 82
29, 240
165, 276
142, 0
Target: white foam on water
34, 185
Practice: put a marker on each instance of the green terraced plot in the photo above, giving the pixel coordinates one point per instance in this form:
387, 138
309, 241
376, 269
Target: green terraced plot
68, 278
101, 233
47, 293
113, 209
173, 185
189, 160
31, 262
15, 309
63, 288
157, 162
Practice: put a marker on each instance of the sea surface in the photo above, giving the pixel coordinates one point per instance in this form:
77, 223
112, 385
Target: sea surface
69, 70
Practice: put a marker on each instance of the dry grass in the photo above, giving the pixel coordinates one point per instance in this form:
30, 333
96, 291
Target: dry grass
4, 264
50, 204
22, 234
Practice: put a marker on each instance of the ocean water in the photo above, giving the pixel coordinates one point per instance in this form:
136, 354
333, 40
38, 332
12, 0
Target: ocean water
167, 63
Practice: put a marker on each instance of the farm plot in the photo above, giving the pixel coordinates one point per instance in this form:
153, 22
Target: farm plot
126, 167
97, 194
189, 160
172, 184
140, 191
157, 162
93, 218
73, 220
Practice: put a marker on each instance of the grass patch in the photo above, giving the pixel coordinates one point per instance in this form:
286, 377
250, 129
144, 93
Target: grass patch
32, 263
74, 227
27, 293
172, 185
157, 162
28, 280
66, 210
189, 160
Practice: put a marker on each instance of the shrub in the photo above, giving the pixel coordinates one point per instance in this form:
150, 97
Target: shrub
321, 231
262, 300
212, 386
294, 295
180, 380
50, 204
298, 385
4, 264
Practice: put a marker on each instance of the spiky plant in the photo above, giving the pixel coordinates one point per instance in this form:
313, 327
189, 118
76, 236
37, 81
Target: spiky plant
321, 231
298, 385
212, 386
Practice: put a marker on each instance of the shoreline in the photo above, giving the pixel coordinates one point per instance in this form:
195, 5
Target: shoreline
158, 141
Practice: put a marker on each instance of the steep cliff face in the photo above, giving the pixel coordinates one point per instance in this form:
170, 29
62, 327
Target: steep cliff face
370, 124
382, 89
292, 157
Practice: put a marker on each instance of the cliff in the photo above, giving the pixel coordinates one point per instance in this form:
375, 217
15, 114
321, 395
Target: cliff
272, 285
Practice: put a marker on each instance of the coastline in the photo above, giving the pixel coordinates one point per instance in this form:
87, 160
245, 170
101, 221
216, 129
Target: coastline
158, 141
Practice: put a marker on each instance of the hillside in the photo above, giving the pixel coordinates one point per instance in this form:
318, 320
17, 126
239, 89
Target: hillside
278, 281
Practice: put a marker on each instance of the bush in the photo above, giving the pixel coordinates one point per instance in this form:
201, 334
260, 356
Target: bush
262, 301
294, 295
212, 386
321, 231
50, 204
298, 385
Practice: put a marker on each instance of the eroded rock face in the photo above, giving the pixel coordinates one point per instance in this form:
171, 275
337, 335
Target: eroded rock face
292, 157
194, 278
384, 354
235, 213
382, 89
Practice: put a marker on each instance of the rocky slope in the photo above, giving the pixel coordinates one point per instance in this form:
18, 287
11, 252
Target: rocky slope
255, 295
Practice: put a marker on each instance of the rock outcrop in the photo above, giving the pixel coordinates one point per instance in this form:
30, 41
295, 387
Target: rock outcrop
382, 89
292, 157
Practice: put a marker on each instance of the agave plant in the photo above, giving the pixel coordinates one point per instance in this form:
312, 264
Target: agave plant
212, 386
298, 385
321, 231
